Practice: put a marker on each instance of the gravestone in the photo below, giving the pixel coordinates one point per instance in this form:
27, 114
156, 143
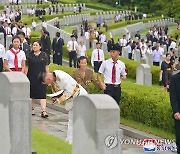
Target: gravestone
96, 130
125, 52
2, 38
149, 58
137, 55
8, 41
15, 112
143, 75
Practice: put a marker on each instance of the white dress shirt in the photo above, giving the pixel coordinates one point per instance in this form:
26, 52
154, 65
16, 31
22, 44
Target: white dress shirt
8, 30
103, 38
87, 35
14, 31
70, 45
106, 70
34, 24
82, 50
123, 42
27, 31
2, 51
9, 56
94, 56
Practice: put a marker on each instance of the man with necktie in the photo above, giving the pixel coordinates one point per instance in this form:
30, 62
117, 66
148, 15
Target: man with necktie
57, 47
97, 57
72, 47
112, 69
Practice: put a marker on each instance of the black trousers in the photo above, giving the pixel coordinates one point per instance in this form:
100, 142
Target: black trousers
57, 59
130, 55
72, 57
156, 63
97, 65
1, 65
177, 129
114, 91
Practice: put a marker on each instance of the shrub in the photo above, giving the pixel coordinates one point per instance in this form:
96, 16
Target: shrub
143, 104
147, 105
1, 7
117, 25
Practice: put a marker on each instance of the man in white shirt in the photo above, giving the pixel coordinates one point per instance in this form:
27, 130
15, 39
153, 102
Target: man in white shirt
172, 45
34, 25
97, 57
112, 69
81, 50
8, 29
15, 29
87, 34
2, 53
123, 41
27, 32
61, 81
103, 38
72, 47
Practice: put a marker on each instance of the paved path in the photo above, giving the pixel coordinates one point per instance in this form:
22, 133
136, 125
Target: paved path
56, 125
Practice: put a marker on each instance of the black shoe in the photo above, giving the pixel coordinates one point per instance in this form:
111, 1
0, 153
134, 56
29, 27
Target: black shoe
33, 113
44, 114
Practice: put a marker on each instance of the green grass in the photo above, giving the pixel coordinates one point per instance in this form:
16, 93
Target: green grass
147, 129
68, 29
44, 143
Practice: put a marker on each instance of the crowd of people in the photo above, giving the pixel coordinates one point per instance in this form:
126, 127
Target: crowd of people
34, 62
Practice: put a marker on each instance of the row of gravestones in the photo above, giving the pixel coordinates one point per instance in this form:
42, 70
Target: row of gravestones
66, 7
111, 14
142, 26
3, 2
162, 22
75, 19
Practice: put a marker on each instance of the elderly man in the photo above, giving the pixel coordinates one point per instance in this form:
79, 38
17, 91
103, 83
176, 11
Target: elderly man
61, 81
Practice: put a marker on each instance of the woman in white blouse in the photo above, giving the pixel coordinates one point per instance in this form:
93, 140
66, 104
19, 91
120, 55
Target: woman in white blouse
14, 59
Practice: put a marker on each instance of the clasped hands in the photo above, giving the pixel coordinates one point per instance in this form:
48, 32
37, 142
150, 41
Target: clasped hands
177, 116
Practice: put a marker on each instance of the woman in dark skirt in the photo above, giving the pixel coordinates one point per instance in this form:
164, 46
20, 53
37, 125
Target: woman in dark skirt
37, 62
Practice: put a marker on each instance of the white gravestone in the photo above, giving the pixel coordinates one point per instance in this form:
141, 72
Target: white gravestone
143, 75
15, 113
96, 125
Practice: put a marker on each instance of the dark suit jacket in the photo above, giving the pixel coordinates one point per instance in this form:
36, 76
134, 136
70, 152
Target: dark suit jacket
2, 30
175, 93
57, 46
46, 44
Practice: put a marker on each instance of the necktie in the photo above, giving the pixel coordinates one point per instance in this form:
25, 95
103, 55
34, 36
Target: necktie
114, 72
98, 55
73, 46
15, 58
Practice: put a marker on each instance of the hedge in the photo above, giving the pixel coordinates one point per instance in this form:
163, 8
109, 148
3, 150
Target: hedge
143, 104
1, 7
130, 64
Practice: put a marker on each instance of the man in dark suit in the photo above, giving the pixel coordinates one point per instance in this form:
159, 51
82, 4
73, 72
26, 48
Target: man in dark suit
46, 43
175, 104
24, 45
57, 47
2, 30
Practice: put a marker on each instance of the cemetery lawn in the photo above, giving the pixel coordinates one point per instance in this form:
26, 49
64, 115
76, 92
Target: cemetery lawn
44, 143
